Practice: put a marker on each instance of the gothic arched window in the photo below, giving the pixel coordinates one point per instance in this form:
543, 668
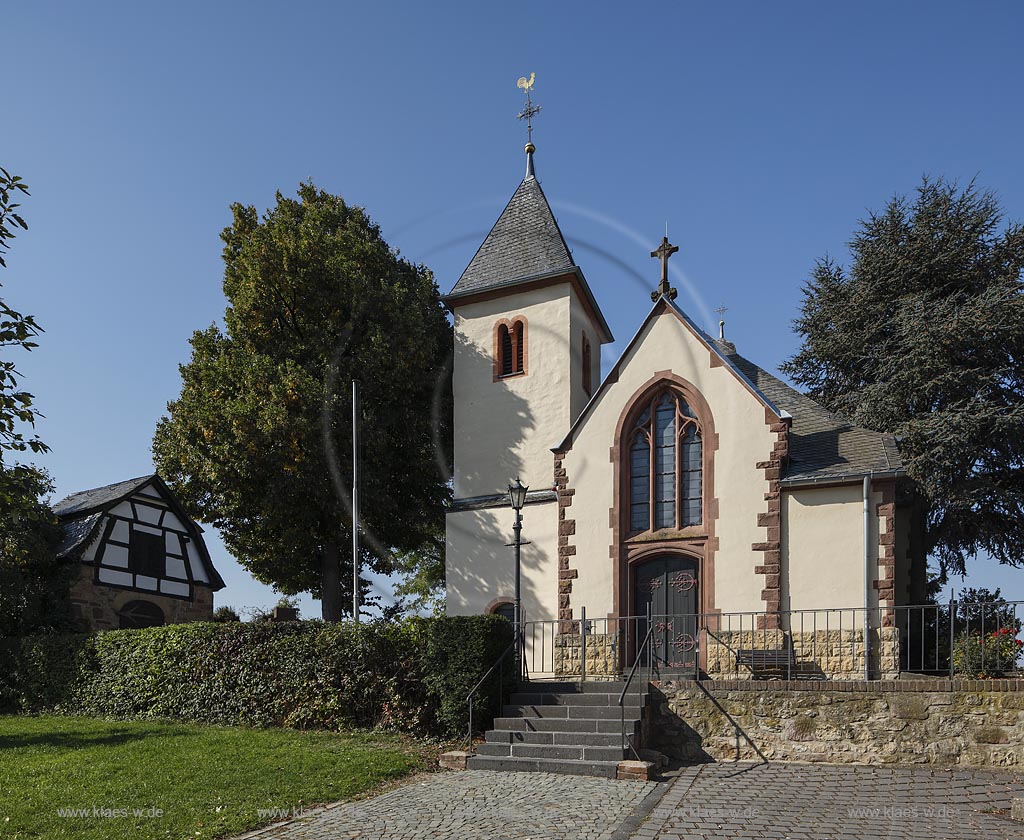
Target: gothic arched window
665, 466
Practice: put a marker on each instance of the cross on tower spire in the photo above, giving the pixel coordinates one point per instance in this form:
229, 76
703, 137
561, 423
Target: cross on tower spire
663, 252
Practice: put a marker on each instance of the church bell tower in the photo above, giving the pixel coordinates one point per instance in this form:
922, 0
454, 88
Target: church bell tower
528, 334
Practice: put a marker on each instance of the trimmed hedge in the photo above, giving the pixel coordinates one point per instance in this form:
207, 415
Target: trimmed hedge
412, 676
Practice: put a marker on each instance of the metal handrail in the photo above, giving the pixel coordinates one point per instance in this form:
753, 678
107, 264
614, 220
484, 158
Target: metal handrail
625, 688
482, 680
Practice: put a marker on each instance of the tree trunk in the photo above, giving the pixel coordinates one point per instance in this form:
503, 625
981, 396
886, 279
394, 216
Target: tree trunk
330, 582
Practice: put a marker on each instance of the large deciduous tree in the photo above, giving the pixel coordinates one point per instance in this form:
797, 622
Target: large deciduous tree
923, 337
258, 443
33, 583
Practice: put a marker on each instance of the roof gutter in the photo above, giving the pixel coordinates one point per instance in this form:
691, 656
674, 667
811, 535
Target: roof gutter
850, 478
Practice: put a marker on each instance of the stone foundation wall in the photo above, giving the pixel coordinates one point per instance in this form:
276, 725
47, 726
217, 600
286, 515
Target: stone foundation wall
96, 607
970, 723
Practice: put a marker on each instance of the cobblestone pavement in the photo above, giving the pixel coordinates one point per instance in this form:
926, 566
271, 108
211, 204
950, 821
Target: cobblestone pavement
831, 802
479, 805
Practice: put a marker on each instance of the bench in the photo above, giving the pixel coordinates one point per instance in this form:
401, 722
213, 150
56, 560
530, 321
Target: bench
760, 660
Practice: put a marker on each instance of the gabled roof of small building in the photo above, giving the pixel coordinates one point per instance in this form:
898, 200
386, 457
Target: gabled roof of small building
88, 500
525, 245
81, 513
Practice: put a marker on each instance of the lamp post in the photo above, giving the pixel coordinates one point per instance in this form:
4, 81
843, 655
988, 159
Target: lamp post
517, 496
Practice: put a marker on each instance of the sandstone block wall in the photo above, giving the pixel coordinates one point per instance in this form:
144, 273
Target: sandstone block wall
602, 655
836, 654
970, 723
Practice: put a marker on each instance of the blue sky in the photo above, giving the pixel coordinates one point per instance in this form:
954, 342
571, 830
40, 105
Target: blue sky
761, 132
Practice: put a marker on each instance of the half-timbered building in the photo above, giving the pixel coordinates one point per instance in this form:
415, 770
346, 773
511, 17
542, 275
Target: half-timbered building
143, 560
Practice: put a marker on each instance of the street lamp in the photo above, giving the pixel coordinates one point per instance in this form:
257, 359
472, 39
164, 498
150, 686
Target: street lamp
517, 497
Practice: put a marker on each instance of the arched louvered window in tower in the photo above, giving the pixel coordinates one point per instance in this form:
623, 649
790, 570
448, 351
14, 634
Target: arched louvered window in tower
665, 466
505, 349
510, 348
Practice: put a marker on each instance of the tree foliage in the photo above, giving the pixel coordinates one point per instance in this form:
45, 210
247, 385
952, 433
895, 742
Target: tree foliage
258, 443
33, 583
923, 337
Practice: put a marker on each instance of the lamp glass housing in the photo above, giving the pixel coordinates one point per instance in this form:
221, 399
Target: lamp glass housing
517, 494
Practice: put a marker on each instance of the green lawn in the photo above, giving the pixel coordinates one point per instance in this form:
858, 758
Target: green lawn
207, 781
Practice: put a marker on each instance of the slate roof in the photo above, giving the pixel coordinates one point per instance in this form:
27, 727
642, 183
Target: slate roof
525, 243
78, 533
822, 445
88, 500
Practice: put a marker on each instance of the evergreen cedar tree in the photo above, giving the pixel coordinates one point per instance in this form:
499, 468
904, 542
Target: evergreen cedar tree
923, 337
259, 442
34, 585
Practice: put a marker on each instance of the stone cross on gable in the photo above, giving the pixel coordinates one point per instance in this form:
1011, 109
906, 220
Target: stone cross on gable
663, 252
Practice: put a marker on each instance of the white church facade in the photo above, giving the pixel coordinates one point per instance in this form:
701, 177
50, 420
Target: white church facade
688, 482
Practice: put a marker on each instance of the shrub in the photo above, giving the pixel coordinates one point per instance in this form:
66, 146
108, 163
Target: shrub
412, 676
988, 655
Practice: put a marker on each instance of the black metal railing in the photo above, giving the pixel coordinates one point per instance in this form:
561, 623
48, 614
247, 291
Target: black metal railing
627, 742
957, 638
498, 665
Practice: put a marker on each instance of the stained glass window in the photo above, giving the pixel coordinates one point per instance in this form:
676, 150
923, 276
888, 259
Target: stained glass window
665, 466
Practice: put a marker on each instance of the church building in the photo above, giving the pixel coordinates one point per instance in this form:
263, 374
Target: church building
689, 482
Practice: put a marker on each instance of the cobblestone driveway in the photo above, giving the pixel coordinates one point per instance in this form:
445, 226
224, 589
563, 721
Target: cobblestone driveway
829, 802
479, 805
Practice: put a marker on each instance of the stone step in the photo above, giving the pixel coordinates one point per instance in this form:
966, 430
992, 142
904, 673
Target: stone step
605, 769
534, 724
553, 751
581, 699
569, 739
572, 712
590, 687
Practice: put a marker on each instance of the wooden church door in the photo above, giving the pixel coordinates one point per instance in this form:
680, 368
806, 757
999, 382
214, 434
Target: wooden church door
668, 585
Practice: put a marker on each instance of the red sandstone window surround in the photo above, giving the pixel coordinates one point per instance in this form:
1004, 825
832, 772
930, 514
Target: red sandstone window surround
510, 348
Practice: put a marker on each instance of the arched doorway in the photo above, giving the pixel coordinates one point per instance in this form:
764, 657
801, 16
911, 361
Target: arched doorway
667, 586
137, 614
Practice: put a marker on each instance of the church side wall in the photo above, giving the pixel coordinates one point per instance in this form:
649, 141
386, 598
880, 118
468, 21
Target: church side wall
481, 567
744, 440
823, 547
580, 323
505, 429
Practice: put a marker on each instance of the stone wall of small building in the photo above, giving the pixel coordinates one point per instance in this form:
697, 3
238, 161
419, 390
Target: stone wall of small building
96, 607
970, 723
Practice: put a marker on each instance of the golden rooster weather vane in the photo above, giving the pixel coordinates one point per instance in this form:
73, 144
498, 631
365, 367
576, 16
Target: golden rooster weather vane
531, 110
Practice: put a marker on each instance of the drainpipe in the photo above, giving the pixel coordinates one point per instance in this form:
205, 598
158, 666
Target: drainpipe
868, 576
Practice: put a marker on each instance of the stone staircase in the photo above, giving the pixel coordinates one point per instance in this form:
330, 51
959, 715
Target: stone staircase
563, 727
